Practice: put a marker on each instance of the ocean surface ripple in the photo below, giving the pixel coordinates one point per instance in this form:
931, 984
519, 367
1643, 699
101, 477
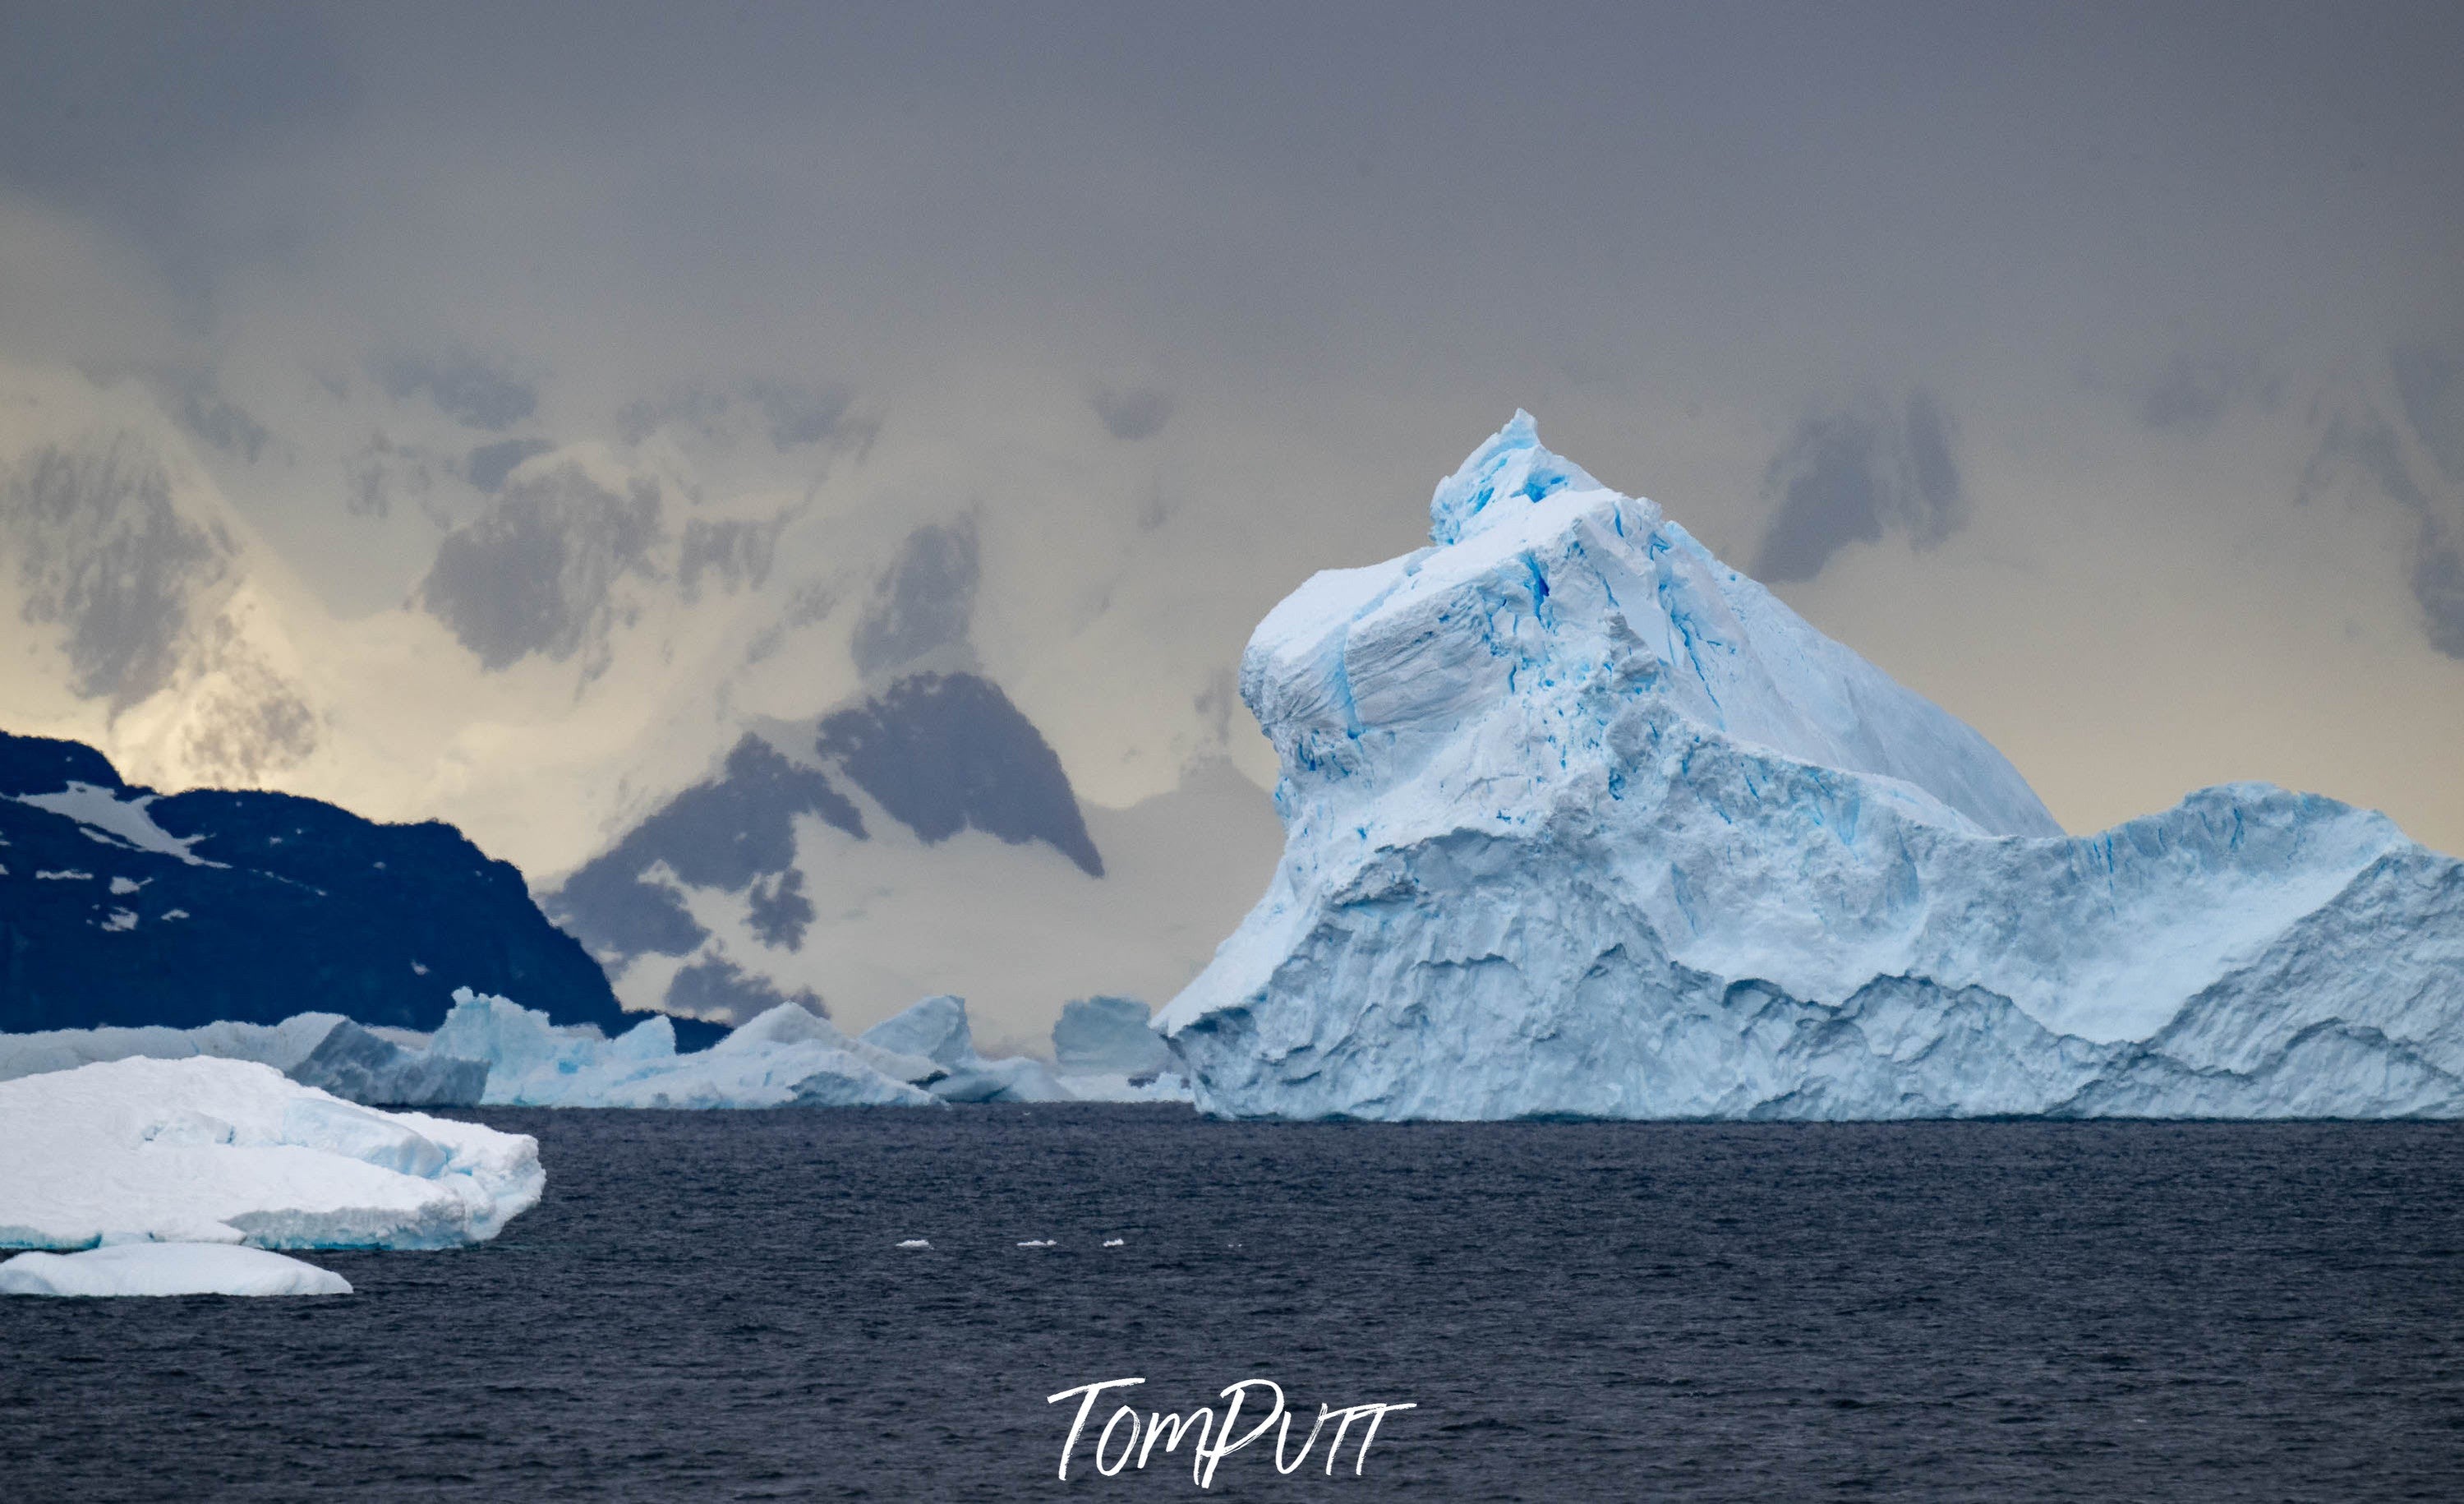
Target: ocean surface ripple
715, 1306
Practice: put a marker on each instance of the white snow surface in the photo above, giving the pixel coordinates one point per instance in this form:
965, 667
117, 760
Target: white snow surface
282, 1046
204, 1150
167, 1269
100, 808
1580, 821
786, 1058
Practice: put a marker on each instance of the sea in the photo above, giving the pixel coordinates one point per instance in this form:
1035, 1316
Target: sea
715, 1306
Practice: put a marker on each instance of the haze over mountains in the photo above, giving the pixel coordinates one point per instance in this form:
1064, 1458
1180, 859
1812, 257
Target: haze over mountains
592, 671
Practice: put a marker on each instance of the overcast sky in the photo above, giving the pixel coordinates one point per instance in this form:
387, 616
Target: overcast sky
2096, 370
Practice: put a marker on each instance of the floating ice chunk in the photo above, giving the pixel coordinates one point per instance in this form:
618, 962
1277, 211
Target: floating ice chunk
204, 1150
788, 1024
1010, 1079
1040, 1243
915, 1242
1113, 1243
787, 1058
935, 1028
167, 1269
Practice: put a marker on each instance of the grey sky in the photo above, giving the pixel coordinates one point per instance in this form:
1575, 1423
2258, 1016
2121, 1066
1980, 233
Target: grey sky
1991, 308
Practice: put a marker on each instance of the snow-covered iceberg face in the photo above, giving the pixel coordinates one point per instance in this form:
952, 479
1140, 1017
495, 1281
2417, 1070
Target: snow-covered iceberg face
203, 1150
1492, 676
1579, 820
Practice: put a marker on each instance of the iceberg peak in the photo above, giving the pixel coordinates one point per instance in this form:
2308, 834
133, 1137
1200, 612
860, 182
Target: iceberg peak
1512, 465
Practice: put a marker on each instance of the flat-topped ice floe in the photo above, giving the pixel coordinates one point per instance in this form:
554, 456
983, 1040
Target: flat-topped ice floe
167, 1269
1581, 822
204, 1150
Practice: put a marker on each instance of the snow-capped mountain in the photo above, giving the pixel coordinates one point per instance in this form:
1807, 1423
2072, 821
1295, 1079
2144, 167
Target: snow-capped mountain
1580, 821
120, 906
924, 833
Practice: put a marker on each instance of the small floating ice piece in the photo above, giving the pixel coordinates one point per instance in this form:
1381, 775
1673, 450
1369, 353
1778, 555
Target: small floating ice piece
1113, 1243
1037, 1243
167, 1269
915, 1242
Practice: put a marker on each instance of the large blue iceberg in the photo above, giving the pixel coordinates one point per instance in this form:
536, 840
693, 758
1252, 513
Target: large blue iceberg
1581, 822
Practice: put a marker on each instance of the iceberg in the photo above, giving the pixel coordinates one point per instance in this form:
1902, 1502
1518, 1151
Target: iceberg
786, 1058
937, 1029
1581, 822
283, 1046
493, 1051
167, 1269
373, 1066
1108, 1037
360, 1065
1105, 1048
1107, 1051
204, 1150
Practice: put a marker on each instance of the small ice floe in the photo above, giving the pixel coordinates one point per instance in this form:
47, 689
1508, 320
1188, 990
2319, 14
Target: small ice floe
915, 1243
1040, 1243
167, 1269
1113, 1243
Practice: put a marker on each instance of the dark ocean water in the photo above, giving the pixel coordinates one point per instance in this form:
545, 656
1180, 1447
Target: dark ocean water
711, 1306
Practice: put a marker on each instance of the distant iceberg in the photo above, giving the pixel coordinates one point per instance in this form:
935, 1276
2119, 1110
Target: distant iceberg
937, 1029
203, 1150
361, 1064
493, 1051
787, 1058
283, 1045
1106, 1053
1581, 822
167, 1269
1109, 1036
378, 1066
